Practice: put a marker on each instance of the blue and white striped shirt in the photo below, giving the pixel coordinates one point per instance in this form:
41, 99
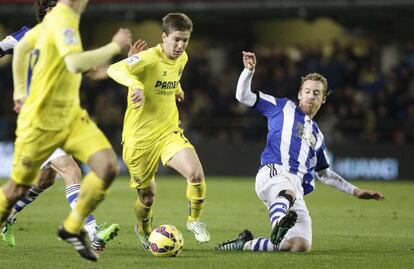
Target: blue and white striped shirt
7, 44
294, 140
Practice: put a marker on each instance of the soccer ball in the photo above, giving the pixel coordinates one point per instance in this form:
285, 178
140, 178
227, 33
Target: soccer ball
166, 241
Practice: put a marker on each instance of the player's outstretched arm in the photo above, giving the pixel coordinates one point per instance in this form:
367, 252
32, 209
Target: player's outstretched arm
84, 61
244, 93
331, 178
100, 72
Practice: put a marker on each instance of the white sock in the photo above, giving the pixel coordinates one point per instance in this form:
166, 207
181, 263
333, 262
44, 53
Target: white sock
91, 228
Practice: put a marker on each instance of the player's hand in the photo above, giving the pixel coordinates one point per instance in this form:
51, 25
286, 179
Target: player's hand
138, 46
249, 60
137, 97
123, 39
367, 194
180, 97
18, 103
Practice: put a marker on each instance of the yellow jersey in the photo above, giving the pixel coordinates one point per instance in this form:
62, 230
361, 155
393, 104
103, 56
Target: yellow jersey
159, 78
54, 102
31, 36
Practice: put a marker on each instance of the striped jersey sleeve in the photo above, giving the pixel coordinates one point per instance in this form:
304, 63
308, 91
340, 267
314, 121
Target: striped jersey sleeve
269, 105
7, 44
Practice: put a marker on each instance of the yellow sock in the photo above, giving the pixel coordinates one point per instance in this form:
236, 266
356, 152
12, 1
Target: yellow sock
91, 193
196, 193
5, 207
144, 217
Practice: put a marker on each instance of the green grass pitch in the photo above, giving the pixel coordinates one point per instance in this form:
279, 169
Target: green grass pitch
347, 232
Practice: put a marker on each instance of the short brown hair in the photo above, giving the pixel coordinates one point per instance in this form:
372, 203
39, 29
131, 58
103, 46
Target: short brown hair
316, 77
176, 22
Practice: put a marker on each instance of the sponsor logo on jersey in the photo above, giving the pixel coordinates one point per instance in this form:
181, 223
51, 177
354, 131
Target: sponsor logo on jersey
166, 87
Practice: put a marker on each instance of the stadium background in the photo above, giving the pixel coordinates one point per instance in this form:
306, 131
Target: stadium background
365, 48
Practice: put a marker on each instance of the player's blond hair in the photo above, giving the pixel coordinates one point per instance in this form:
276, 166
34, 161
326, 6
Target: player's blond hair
316, 77
176, 22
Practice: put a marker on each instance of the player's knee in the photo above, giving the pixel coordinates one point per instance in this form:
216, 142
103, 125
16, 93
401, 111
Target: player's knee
113, 169
148, 200
105, 165
14, 192
289, 195
300, 245
22, 190
196, 175
147, 195
109, 169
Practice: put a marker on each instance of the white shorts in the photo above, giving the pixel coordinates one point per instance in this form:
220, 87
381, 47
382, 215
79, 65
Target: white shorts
56, 154
272, 179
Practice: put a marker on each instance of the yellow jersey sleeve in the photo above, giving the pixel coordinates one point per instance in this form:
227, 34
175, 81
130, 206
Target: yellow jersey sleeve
31, 36
127, 72
66, 35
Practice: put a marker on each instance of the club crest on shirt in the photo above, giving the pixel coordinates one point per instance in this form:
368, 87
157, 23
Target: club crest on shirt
70, 36
133, 60
305, 134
